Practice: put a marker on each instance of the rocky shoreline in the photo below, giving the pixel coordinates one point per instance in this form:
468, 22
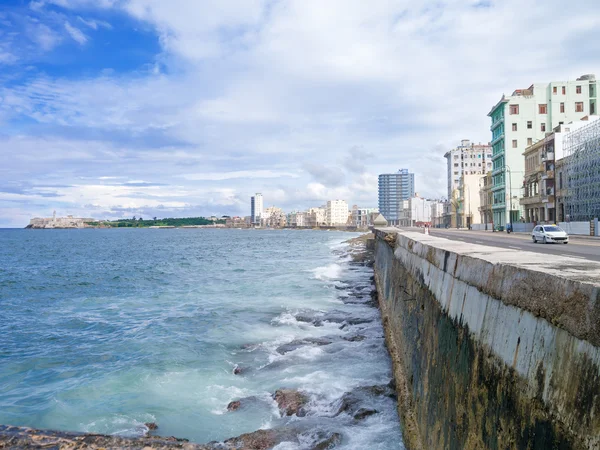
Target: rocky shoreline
305, 429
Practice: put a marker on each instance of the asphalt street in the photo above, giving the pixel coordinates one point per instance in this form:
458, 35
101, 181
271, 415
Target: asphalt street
578, 247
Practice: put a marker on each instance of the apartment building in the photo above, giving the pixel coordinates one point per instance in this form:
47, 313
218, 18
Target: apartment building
336, 213
393, 189
469, 159
520, 120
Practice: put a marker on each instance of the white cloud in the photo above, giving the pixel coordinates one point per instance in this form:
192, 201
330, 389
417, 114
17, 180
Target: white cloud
218, 176
76, 33
270, 96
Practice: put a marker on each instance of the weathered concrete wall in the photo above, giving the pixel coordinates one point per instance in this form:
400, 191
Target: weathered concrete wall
492, 348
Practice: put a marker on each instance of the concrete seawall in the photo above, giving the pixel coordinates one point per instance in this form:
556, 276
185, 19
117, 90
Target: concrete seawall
492, 348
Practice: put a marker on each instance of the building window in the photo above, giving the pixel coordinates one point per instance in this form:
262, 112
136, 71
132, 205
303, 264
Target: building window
562, 107
529, 125
514, 143
555, 90
514, 127
543, 108
564, 90
514, 109
543, 127
529, 141
578, 106
578, 89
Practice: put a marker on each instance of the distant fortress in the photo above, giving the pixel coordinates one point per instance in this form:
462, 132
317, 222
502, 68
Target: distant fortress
59, 222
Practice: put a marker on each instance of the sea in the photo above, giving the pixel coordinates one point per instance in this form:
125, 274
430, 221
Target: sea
106, 330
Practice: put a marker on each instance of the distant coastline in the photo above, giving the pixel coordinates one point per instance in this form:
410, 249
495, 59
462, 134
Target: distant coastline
71, 222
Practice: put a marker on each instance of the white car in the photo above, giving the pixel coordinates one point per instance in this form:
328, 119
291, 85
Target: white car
549, 233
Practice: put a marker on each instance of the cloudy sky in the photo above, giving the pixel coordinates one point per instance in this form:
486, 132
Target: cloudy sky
115, 108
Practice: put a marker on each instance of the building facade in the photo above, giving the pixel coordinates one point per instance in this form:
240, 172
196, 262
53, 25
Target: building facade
521, 119
393, 189
256, 208
336, 213
581, 147
467, 158
469, 200
485, 199
316, 217
363, 217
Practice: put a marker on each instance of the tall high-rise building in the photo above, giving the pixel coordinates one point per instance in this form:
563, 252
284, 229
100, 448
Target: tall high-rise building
256, 208
520, 120
393, 189
467, 158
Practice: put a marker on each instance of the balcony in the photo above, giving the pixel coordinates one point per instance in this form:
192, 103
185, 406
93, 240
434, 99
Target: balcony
548, 156
548, 174
531, 200
496, 123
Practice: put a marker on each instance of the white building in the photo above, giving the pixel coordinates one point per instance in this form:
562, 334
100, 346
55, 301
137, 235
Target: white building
336, 212
416, 211
256, 208
467, 158
470, 200
362, 217
316, 217
520, 120
298, 219
437, 212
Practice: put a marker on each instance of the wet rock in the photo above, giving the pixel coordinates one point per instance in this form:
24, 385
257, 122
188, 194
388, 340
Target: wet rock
290, 402
355, 338
353, 402
363, 413
237, 370
297, 343
261, 439
308, 317
27, 438
327, 442
246, 402
234, 406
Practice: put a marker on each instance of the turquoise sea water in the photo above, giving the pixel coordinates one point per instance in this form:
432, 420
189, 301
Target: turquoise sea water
103, 330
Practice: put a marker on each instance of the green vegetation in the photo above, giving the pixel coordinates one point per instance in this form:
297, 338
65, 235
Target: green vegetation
167, 222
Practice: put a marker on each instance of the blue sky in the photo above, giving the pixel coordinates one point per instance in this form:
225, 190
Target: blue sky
115, 108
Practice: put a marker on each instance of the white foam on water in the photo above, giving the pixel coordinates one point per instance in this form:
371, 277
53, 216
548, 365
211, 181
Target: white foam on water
328, 272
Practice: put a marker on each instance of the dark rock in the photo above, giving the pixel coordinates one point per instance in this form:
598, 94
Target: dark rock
327, 442
352, 402
27, 438
262, 439
355, 338
290, 402
234, 406
246, 402
295, 344
363, 413
151, 426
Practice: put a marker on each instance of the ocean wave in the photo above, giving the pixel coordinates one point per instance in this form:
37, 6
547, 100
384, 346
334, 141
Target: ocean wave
329, 272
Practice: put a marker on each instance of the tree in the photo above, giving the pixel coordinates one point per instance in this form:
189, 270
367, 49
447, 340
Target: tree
134, 218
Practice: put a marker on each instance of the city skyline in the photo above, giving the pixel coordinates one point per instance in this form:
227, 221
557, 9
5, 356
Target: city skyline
121, 108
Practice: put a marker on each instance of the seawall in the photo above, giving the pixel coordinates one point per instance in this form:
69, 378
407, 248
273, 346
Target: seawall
492, 348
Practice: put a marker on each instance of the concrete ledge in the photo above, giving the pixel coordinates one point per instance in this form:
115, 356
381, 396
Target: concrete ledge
492, 348
564, 291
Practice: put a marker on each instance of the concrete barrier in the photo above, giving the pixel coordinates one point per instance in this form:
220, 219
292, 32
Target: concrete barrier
492, 348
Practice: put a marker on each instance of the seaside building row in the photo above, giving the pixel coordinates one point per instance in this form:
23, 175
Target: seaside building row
542, 164
335, 213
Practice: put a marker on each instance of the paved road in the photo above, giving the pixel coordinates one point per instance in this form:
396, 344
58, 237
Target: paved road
577, 247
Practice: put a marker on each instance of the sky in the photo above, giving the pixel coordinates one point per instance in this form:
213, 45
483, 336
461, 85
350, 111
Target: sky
155, 108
